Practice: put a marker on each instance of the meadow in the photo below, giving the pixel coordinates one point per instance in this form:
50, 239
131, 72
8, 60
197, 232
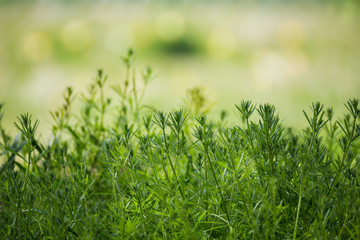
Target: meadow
118, 168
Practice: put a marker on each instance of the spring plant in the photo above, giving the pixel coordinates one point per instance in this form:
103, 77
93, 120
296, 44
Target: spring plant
146, 174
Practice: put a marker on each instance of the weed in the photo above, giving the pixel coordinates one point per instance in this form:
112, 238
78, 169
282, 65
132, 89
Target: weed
179, 175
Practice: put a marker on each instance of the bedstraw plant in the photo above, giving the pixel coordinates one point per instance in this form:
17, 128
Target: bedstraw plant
119, 170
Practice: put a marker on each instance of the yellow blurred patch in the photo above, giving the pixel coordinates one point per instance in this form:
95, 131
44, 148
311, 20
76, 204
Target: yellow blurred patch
291, 34
37, 46
184, 78
142, 33
222, 43
170, 26
77, 36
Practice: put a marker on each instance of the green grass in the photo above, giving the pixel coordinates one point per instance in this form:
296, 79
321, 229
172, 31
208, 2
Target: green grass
119, 169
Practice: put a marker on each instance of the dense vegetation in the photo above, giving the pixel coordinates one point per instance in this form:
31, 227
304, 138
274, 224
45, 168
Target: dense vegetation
146, 174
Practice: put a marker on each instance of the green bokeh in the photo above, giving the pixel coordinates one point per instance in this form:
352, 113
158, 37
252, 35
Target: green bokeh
282, 52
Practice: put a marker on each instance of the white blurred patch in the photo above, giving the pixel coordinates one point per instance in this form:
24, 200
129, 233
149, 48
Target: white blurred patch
270, 68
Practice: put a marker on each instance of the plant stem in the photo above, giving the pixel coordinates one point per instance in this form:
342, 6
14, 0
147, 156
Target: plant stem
172, 165
345, 153
301, 189
217, 185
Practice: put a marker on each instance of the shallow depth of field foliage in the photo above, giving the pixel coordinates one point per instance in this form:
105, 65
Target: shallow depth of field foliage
236, 49
118, 169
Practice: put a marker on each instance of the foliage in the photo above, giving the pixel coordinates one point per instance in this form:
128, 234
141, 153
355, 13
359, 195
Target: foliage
152, 175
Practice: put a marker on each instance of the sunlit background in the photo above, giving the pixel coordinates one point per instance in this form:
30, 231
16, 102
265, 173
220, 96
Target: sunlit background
288, 53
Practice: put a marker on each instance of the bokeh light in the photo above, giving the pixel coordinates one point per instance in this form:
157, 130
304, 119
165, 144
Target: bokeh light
116, 36
291, 34
143, 33
77, 36
37, 46
184, 78
270, 69
301, 51
222, 43
170, 26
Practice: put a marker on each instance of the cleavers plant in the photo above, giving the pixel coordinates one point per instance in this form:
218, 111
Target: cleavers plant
120, 170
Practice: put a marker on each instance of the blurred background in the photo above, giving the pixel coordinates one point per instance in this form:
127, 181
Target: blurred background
287, 53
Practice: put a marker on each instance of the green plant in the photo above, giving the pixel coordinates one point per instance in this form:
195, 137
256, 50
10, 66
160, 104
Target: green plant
180, 175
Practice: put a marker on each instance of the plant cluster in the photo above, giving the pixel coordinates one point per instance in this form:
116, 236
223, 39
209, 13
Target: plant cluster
154, 175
